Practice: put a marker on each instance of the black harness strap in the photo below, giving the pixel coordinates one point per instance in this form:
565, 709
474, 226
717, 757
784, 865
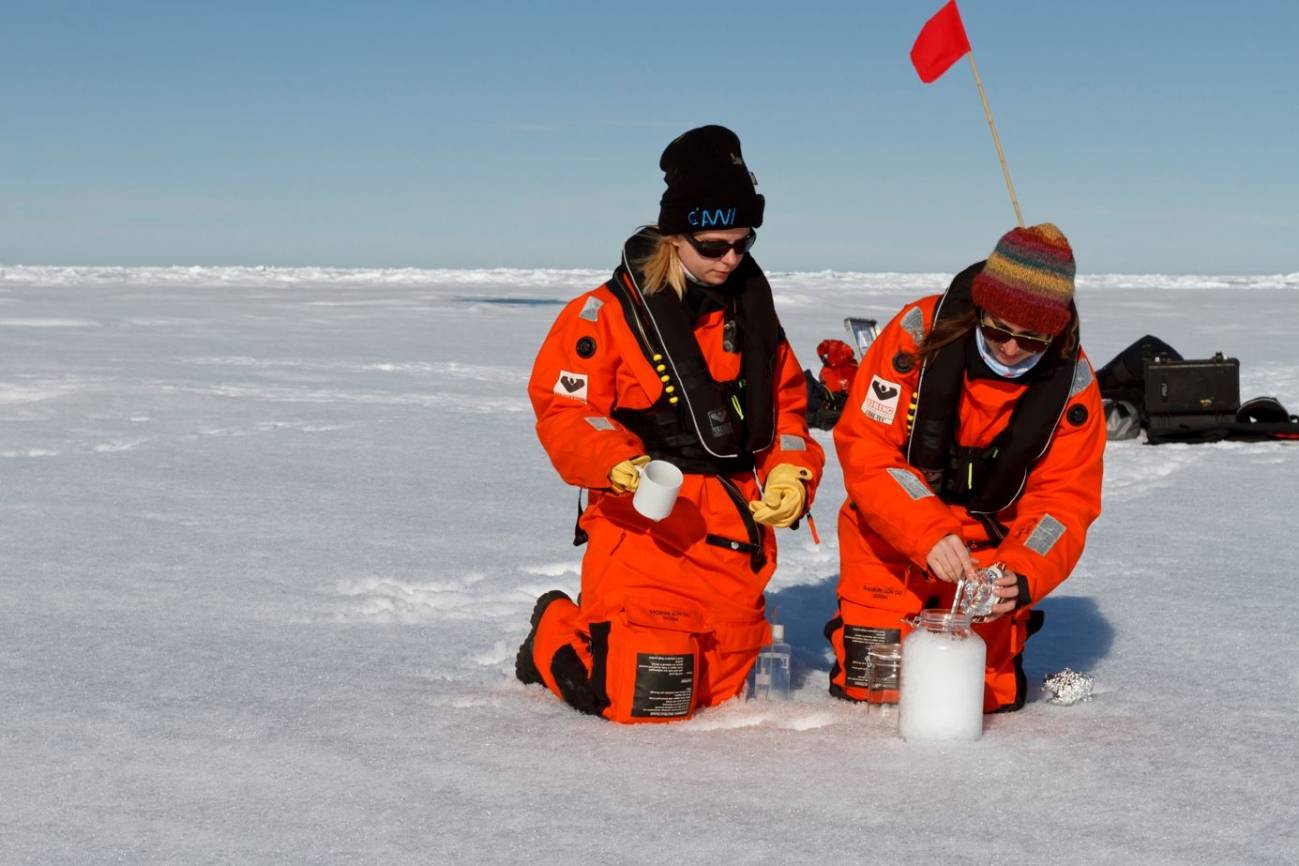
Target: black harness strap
757, 559
985, 480
723, 423
714, 428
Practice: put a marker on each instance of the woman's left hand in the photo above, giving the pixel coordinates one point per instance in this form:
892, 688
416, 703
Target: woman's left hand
785, 498
1008, 591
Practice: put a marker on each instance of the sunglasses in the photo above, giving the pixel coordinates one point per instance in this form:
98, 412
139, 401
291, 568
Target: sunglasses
998, 334
717, 249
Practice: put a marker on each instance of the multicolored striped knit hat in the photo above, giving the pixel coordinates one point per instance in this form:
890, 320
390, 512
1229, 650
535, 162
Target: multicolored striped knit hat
1028, 280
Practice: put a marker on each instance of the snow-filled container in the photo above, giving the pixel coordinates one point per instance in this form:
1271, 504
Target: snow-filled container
942, 679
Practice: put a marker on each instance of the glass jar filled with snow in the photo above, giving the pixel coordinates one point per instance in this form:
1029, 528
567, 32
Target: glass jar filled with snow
941, 696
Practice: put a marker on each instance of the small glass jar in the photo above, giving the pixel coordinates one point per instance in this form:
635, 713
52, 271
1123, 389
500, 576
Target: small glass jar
883, 665
941, 692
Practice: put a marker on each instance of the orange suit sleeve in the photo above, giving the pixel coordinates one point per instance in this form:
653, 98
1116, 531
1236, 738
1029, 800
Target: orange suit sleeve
573, 389
889, 494
1062, 495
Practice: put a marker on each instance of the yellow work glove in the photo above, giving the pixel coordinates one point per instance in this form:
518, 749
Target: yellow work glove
784, 498
625, 476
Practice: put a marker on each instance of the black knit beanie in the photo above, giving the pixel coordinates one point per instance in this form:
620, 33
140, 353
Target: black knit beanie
709, 186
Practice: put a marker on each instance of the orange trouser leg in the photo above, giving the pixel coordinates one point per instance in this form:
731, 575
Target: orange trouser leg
561, 650
1004, 686
727, 653
643, 663
646, 662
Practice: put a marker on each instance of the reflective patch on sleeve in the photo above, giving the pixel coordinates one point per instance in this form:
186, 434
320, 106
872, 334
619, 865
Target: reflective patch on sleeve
914, 324
1082, 377
1044, 536
792, 443
914, 487
599, 422
591, 310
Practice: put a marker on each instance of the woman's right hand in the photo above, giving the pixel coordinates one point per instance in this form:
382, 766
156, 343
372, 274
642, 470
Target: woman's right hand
949, 560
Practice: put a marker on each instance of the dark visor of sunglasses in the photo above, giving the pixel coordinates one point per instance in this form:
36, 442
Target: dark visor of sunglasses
716, 249
998, 334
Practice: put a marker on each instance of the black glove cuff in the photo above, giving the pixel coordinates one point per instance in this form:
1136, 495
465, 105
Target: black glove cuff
1021, 580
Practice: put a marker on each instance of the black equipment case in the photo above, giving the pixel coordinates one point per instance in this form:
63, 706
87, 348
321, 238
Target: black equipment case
1192, 387
1189, 400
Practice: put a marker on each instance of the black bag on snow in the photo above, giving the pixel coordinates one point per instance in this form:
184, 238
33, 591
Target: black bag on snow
1124, 378
1186, 401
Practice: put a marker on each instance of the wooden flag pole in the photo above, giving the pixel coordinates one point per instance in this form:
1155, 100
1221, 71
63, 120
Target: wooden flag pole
996, 139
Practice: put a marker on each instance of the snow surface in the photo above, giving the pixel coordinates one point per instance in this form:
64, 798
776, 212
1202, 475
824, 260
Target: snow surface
272, 536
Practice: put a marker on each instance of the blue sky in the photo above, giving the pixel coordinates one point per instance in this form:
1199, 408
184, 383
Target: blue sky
1160, 136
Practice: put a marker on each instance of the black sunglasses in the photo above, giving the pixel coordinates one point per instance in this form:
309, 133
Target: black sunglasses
998, 334
717, 249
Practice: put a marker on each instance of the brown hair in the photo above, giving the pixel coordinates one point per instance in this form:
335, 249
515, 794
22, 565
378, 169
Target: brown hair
951, 330
662, 268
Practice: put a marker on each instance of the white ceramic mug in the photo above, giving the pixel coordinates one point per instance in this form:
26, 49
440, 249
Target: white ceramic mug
660, 482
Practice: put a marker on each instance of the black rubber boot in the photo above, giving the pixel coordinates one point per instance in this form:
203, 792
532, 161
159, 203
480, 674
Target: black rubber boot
525, 667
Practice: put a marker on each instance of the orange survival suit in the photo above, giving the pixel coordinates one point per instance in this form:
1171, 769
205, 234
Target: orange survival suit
1011, 466
671, 614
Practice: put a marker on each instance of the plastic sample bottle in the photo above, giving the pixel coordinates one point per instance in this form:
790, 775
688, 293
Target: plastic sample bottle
941, 697
771, 670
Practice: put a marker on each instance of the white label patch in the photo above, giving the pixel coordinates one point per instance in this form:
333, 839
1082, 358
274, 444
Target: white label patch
571, 385
881, 401
599, 422
1047, 532
914, 487
792, 443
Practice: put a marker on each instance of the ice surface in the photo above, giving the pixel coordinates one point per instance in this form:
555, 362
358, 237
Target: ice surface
271, 538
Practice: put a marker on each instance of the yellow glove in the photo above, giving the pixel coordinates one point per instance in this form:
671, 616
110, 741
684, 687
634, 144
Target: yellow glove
784, 498
625, 476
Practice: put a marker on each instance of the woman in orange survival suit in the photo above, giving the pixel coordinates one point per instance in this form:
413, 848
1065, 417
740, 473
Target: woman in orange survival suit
973, 434
679, 357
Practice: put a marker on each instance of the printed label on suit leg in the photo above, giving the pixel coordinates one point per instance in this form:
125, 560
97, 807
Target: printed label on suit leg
664, 685
857, 642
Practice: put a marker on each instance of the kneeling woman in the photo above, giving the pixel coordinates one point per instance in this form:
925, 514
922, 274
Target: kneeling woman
678, 357
973, 435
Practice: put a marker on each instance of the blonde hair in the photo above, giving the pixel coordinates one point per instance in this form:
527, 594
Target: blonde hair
662, 268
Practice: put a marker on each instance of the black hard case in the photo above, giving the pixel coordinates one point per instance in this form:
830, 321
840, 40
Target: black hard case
1209, 386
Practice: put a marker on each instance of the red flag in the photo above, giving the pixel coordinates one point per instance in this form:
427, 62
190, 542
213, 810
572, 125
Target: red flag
941, 43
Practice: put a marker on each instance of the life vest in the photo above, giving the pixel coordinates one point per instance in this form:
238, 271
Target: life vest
985, 480
698, 423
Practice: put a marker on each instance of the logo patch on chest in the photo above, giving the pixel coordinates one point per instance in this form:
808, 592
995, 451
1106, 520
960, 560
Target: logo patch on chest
571, 385
719, 422
881, 401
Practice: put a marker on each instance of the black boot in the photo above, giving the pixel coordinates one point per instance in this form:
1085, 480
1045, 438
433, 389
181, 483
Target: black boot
525, 667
